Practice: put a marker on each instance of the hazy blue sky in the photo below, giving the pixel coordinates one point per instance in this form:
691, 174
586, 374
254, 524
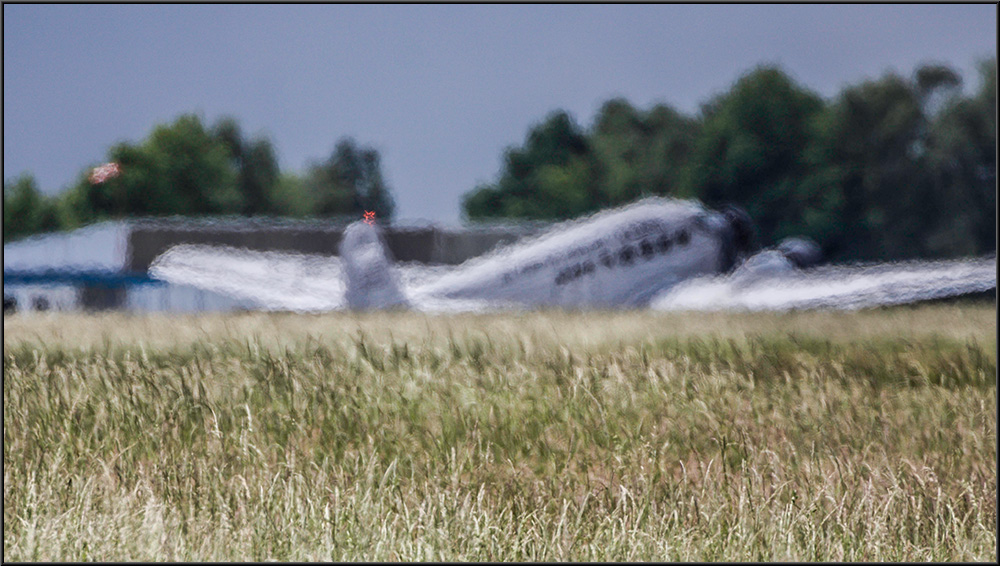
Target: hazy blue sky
439, 90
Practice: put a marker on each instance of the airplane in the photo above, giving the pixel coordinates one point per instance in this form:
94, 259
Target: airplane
616, 258
662, 253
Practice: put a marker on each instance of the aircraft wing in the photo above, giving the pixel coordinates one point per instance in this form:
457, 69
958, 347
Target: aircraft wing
843, 287
272, 280
282, 281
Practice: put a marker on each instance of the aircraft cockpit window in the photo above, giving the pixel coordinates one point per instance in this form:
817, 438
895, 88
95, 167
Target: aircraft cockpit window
626, 254
647, 249
664, 243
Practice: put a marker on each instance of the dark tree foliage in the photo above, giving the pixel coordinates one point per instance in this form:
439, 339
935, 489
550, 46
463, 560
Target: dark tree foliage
180, 168
962, 156
184, 168
750, 152
563, 171
640, 153
890, 168
350, 182
25, 210
550, 177
898, 150
256, 168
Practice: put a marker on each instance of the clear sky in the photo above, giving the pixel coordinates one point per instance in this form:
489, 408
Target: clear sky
439, 90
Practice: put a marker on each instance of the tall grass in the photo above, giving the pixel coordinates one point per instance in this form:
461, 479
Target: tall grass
541, 436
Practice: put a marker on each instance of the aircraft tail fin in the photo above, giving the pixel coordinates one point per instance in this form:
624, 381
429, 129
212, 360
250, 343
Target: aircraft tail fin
372, 283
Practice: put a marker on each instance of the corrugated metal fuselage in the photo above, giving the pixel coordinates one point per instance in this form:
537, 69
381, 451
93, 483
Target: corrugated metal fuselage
615, 259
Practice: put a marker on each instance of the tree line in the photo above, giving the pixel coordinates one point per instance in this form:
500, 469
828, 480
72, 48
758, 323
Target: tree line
891, 168
186, 168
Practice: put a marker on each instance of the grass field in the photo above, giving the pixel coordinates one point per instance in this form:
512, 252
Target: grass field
542, 436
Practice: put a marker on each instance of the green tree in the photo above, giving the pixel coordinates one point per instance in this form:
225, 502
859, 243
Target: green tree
640, 154
962, 157
179, 169
26, 210
751, 152
891, 168
873, 146
482, 202
551, 176
256, 167
290, 196
349, 182
562, 172
195, 165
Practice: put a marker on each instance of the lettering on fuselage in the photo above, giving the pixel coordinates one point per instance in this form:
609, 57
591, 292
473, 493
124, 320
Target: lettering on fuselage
639, 242
535, 266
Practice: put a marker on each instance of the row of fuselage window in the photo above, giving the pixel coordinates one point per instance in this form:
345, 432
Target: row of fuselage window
646, 249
